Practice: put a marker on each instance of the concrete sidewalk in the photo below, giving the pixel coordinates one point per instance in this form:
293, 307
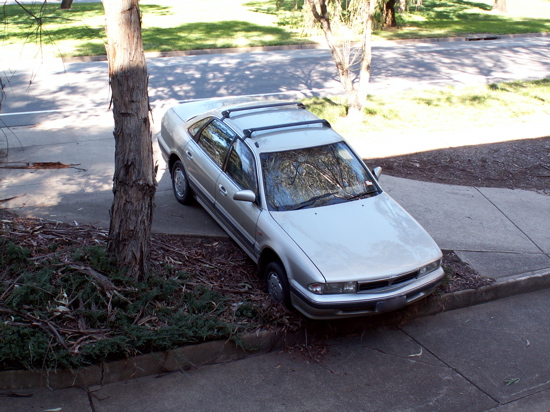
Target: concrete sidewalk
480, 358
500, 232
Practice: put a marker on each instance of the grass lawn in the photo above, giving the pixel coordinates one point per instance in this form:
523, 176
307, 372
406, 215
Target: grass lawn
172, 26
442, 109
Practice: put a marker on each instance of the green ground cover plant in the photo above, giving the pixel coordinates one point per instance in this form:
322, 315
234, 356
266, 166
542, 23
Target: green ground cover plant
64, 305
245, 23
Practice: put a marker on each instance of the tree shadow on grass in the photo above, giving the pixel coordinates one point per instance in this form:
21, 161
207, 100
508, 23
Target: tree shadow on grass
198, 36
214, 35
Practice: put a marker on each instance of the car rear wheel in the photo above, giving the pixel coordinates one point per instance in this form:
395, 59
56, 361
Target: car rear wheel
277, 283
180, 184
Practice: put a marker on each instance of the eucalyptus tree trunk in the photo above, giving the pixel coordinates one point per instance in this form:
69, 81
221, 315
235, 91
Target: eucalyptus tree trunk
366, 58
356, 94
500, 6
388, 14
322, 16
134, 178
66, 4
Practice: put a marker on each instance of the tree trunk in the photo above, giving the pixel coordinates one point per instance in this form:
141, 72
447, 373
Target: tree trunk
322, 16
356, 96
134, 178
388, 14
66, 4
500, 6
366, 59
1, 92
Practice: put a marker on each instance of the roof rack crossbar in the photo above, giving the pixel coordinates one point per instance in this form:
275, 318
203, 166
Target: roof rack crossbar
248, 132
227, 113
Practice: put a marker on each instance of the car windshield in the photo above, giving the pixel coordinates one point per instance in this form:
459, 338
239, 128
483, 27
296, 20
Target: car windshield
316, 176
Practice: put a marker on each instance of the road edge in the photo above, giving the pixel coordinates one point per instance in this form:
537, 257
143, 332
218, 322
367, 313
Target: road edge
308, 46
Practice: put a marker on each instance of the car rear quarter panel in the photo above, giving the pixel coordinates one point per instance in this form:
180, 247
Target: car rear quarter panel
174, 136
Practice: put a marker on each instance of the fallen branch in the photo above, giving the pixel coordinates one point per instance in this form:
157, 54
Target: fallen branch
41, 165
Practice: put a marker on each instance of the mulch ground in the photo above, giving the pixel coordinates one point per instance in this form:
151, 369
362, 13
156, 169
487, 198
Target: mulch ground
518, 164
221, 265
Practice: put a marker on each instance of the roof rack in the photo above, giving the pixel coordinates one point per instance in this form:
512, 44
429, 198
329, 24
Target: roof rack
248, 132
227, 113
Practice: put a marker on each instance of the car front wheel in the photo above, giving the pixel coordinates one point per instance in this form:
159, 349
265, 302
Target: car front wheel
180, 184
277, 283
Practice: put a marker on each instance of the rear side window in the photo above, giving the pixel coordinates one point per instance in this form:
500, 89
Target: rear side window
196, 128
216, 139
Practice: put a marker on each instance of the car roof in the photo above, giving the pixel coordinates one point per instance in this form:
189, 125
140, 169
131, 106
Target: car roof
281, 126
246, 115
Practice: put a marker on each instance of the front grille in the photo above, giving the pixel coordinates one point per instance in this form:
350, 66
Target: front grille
386, 283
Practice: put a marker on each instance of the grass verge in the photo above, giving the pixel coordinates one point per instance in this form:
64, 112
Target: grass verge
442, 109
243, 23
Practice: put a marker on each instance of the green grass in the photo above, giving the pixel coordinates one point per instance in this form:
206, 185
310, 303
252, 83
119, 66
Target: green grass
208, 24
243, 23
442, 109
461, 17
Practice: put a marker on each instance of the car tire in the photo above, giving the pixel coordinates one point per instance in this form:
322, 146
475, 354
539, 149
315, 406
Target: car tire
276, 283
180, 184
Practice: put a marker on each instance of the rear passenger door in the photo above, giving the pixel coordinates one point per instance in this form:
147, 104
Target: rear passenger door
204, 158
239, 217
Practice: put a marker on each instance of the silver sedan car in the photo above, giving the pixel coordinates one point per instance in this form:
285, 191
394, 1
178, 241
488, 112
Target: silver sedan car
298, 200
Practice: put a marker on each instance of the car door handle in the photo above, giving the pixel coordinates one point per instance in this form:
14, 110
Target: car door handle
189, 154
223, 190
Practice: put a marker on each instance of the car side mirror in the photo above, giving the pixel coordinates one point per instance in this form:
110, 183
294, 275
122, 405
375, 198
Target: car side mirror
245, 196
377, 171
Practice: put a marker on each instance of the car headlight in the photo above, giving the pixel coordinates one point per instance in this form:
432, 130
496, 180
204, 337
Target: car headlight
429, 268
332, 288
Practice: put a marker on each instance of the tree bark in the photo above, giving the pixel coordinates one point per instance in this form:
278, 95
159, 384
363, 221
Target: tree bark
388, 14
500, 6
134, 178
1, 92
356, 96
66, 4
366, 59
322, 16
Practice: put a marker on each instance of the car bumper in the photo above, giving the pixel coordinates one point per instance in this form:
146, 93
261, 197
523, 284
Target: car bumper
360, 304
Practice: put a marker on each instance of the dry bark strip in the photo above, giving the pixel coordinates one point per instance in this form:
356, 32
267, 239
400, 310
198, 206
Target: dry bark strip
40, 165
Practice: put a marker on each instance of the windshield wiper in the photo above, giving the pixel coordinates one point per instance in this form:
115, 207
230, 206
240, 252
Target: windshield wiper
310, 202
363, 195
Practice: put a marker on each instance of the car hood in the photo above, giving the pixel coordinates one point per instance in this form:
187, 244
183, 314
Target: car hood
366, 239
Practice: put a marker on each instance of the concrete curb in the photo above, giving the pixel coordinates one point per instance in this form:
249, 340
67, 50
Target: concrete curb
193, 356
183, 358
306, 46
502, 288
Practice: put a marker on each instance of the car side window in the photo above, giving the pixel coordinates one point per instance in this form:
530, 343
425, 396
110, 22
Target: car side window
216, 139
241, 167
196, 128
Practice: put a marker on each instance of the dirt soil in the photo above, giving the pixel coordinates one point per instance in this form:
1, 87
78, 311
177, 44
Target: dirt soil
518, 164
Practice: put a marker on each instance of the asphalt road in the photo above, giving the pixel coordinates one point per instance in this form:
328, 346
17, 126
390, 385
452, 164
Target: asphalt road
44, 87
